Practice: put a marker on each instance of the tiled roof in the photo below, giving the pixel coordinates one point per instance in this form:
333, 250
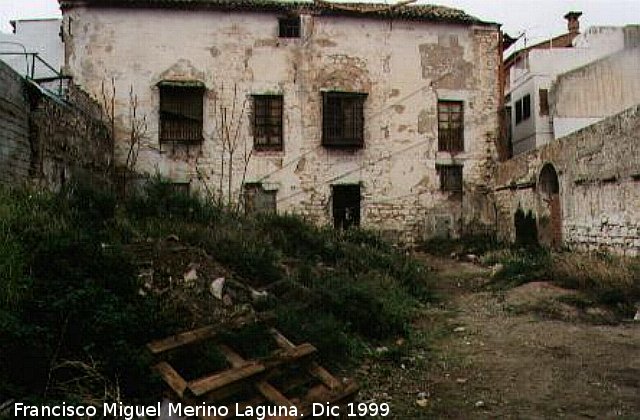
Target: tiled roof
420, 12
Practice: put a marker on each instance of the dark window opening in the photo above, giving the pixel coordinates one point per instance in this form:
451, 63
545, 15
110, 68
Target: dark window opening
544, 101
181, 114
526, 107
526, 228
523, 109
267, 122
450, 126
450, 178
258, 200
289, 27
346, 206
343, 119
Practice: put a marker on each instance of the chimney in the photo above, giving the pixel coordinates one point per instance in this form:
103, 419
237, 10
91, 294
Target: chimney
573, 24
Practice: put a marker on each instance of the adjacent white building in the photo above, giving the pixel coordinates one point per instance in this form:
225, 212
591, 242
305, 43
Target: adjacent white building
532, 73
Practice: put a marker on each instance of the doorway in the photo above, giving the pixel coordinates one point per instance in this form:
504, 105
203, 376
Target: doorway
551, 232
346, 206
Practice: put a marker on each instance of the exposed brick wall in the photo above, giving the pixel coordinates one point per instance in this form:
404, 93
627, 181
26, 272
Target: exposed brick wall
598, 169
45, 140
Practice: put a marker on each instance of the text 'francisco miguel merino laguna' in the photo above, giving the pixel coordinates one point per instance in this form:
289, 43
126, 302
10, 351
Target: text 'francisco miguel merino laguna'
130, 412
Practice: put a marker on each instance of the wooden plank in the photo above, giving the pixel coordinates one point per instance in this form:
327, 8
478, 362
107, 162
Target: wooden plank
171, 377
322, 374
272, 394
218, 380
281, 340
232, 357
179, 340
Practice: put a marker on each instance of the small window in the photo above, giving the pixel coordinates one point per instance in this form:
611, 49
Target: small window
450, 178
450, 126
181, 114
343, 119
544, 101
267, 122
346, 206
258, 200
289, 27
523, 109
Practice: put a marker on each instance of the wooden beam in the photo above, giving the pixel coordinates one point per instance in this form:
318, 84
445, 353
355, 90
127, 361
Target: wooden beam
171, 377
323, 375
272, 394
179, 340
218, 380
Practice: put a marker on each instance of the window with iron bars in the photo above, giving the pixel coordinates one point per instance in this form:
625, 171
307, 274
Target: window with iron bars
450, 126
343, 119
450, 178
289, 27
181, 114
267, 122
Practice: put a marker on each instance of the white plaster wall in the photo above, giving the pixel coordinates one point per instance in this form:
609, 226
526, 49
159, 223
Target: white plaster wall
403, 66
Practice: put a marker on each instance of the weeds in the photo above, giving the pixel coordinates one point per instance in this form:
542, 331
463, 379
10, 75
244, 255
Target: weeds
70, 293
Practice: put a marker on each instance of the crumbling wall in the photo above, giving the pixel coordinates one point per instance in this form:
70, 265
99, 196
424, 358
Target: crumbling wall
15, 150
46, 140
598, 170
403, 66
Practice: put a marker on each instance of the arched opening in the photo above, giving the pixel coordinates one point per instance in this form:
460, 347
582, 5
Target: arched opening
550, 225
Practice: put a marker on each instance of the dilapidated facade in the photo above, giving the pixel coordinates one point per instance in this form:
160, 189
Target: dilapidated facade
380, 115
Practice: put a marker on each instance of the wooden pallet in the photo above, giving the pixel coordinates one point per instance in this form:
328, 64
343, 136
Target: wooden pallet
292, 367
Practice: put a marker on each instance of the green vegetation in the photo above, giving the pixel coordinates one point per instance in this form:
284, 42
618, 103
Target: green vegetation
603, 278
71, 304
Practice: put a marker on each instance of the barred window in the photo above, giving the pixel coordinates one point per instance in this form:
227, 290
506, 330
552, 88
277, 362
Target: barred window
181, 110
450, 126
259, 200
343, 119
289, 27
450, 178
267, 122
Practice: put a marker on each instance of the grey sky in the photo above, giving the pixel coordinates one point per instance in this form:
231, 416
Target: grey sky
537, 18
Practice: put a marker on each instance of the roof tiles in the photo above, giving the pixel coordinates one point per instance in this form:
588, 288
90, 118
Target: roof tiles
375, 10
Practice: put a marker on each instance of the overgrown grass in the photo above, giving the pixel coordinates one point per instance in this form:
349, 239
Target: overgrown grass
69, 292
604, 278
607, 279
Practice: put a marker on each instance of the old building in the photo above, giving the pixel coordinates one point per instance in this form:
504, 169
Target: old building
371, 114
531, 72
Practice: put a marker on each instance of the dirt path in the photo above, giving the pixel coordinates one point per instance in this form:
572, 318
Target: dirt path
488, 356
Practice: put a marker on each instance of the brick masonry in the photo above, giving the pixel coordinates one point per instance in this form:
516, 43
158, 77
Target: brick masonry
598, 170
45, 140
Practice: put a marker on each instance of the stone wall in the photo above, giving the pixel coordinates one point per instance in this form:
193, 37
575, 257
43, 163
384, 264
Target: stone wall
598, 171
46, 140
404, 67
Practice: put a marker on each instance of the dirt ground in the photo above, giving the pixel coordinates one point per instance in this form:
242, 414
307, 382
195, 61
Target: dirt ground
523, 353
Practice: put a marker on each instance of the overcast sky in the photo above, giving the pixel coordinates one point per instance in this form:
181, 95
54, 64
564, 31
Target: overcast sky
538, 19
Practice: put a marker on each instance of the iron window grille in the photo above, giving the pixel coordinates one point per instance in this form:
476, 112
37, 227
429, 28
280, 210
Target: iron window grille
450, 126
267, 122
343, 119
289, 27
181, 114
450, 178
